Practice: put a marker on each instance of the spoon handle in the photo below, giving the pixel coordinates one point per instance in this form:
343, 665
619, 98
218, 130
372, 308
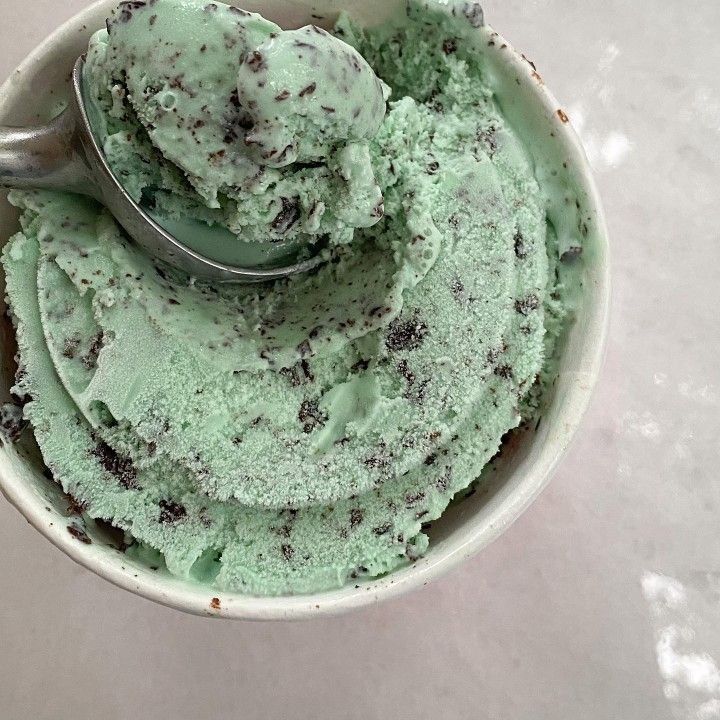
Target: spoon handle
45, 157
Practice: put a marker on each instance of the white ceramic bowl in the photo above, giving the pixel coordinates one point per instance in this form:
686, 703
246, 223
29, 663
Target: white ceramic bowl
32, 93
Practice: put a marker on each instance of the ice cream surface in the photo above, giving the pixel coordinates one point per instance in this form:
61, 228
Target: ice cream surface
210, 112
291, 437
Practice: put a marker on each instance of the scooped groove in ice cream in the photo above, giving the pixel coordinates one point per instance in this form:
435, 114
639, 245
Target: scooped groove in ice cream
210, 112
291, 437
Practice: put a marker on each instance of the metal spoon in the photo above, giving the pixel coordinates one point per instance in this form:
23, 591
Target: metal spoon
64, 155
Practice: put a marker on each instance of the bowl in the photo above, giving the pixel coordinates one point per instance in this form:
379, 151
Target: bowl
33, 93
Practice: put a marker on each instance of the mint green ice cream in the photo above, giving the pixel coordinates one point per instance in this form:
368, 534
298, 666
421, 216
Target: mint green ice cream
295, 436
209, 112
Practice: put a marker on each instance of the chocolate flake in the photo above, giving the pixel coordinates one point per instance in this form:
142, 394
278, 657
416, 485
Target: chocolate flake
504, 371
12, 422
256, 61
288, 551
311, 416
74, 506
488, 137
309, 90
526, 305
126, 9
405, 335
457, 288
356, 517
79, 534
90, 358
298, 374
411, 500
288, 216
449, 46
170, 512
120, 467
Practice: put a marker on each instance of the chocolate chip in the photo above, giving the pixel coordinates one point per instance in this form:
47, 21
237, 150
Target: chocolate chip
311, 416
12, 422
120, 467
256, 61
382, 529
89, 360
411, 500
526, 305
405, 335
449, 46
443, 481
304, 349
356, 517
488, 137
288, 216
170, 512
520, 249
284, 531
288, 552
284, 95
298, 374
74, 506
504, 371
404, 369
457, 287
126, 9
309, 90
376, 461
417, 393
79, 534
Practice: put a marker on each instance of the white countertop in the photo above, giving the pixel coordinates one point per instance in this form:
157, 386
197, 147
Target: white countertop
603, 601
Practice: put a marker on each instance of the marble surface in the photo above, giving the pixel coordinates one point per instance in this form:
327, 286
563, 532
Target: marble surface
603, 601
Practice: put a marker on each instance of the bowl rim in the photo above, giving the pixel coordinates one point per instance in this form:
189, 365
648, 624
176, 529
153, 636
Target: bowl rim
465, 542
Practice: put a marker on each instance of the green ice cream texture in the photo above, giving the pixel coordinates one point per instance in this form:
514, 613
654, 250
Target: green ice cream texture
301, 435
209, 112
